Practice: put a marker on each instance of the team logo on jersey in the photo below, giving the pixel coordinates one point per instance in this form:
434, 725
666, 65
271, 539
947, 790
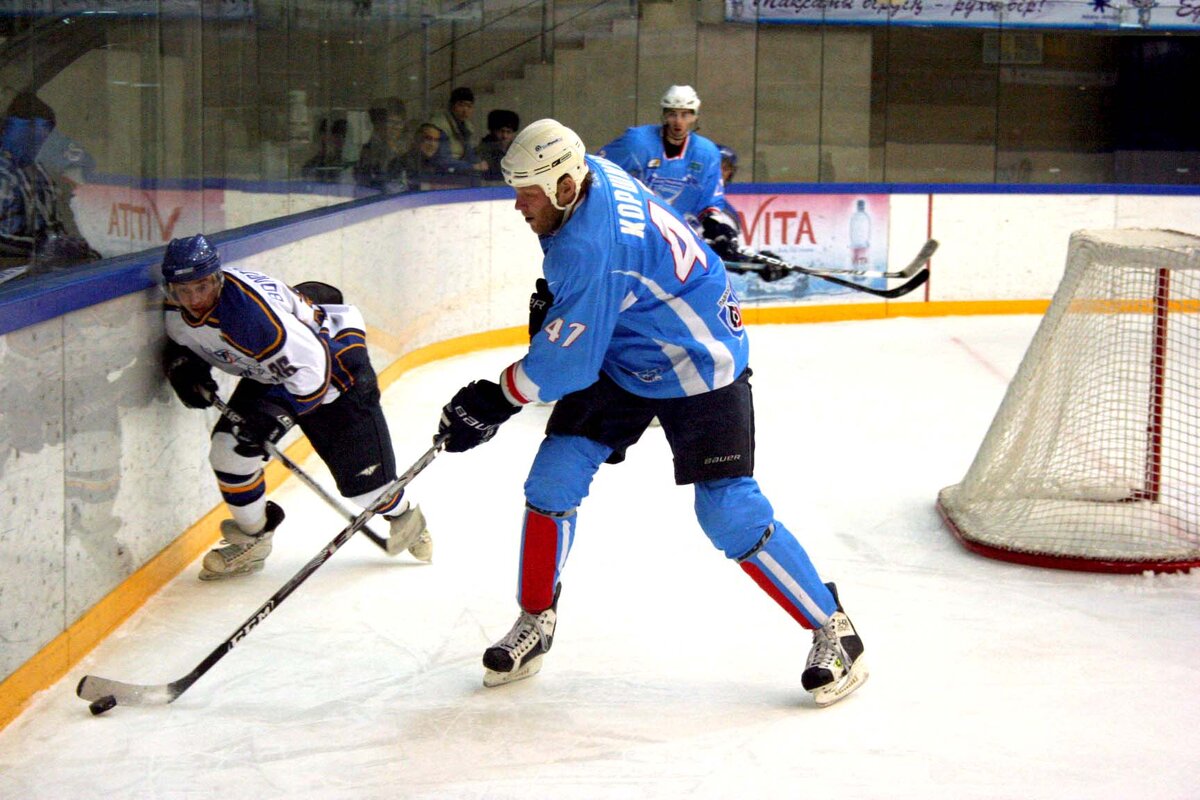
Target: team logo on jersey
653, 163
226, 356
695, 166
649, 375
731, 310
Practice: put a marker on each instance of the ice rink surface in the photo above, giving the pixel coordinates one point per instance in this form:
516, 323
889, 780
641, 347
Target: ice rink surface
672, 674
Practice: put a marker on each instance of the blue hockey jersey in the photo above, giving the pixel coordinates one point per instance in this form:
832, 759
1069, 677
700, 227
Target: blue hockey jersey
691, 181
637, 296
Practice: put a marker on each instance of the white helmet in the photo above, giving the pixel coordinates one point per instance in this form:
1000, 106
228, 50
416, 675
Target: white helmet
684, 97
541, 154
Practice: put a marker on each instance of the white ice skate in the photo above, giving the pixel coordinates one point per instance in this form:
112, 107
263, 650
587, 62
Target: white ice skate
408, 532
243, 553
835, 665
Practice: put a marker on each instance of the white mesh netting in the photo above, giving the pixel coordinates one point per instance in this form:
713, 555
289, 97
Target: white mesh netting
1093, 459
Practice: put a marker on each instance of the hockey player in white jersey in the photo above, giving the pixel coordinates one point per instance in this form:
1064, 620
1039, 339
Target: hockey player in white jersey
303, 360
680, 166
641, 322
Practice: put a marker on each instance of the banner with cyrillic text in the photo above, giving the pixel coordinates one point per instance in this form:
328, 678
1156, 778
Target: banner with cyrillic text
1000, 14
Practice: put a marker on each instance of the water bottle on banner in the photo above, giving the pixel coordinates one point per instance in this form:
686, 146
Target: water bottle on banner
860, 236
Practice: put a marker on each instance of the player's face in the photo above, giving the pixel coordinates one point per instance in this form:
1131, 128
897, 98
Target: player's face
537, 210
197, 297
678, 123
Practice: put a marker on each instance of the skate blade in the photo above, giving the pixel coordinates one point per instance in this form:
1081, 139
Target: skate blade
207, 574
852, 680
492, 678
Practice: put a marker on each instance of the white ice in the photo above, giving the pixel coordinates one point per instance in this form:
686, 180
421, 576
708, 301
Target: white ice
672, 675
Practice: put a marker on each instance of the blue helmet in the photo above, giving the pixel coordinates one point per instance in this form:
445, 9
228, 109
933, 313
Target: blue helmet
189, 259
728, 154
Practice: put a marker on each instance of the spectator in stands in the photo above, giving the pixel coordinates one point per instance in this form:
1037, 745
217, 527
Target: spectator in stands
502, 128
33, 236
328, 164
454, 122
388, 117
426, 164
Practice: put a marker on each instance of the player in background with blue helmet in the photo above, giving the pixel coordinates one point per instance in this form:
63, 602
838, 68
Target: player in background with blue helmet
302, 357
641, 322
680, 166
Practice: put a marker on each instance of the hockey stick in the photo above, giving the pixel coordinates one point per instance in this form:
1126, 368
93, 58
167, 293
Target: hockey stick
918, 277
914, 266
103, 693
274, 452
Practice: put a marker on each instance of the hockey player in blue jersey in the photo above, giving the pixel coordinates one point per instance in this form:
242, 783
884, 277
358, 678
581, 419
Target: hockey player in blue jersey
641, 322
680, 166
303, 360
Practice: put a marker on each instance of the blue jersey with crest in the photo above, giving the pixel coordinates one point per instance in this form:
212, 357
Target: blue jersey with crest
690, 181
637, 296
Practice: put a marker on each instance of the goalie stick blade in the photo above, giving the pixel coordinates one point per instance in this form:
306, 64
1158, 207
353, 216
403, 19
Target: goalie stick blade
92, 688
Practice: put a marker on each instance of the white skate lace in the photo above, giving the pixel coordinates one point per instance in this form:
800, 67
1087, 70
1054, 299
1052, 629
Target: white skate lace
234, 553
526, 633
827, 648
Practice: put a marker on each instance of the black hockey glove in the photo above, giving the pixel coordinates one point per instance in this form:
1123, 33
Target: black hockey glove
190, 376
266, 422
772, 272
721, 236
473, 415
539, 303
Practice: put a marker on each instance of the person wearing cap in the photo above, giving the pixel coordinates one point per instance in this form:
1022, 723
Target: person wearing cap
502, 128
302, 358
640, 321
681, 166
454, 121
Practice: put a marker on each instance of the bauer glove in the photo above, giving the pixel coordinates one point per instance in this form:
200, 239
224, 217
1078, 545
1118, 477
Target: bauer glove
539, 304
190, 376
473, 415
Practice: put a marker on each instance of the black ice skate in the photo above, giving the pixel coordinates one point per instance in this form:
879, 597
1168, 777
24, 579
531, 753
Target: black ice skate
519, 654
243, 553
835, 666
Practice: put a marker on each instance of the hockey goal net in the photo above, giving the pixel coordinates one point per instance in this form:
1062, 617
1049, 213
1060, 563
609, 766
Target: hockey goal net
1093, 459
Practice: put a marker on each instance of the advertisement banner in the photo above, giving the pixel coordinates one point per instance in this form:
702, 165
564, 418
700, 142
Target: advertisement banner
822, 231
116, 220
1090, 14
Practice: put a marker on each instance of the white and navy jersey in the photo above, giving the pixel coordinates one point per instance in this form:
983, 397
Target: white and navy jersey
690, 181
263, 330
637, 296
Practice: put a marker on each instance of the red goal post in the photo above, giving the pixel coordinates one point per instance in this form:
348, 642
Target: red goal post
1093, 459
